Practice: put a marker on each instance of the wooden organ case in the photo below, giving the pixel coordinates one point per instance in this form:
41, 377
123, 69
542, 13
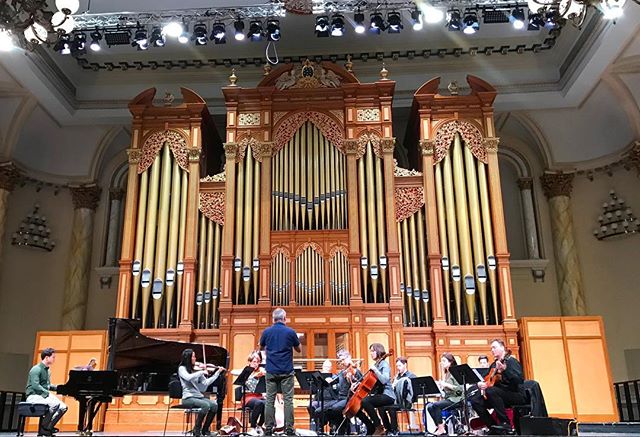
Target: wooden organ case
304, 207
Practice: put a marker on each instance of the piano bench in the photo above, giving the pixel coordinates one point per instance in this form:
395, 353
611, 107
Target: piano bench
28, 409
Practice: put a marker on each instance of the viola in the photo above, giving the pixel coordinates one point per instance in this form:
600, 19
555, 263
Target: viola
364, 388
493, 377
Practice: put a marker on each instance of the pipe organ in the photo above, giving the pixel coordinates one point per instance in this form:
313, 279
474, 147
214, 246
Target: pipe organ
305, 207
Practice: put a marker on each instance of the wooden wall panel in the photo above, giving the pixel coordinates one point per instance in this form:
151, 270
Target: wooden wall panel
550, 370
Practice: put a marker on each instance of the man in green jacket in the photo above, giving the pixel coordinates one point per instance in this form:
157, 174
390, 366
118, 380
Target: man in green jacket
37, 392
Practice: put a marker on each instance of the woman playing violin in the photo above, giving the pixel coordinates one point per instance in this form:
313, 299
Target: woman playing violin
451, 389
194, 381
255, 401
502, 391
378, 398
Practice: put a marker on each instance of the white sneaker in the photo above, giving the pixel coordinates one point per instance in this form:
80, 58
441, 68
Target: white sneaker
259, 430
253, 431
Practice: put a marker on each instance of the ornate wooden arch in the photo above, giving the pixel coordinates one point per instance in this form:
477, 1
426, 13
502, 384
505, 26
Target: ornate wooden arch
470, 132
369, 136
315, 246
330, 127
281, 249
155, 140
212, 206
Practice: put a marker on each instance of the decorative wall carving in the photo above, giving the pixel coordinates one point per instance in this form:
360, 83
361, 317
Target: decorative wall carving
491, 144
557, 184
315, 246
193, 154
249, 119
338, 248
220, 177
86, 196
9, 175
387, 144
470, 134
338, 113
212, 206
177, 143
327, 125
402, 172
427, 147
308, 75
369, 137
230, 150
408, 201
262, 150
275, 251
368, 114
134, 155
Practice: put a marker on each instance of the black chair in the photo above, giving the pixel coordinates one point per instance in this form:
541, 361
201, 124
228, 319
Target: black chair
244, 409
402, 407
175, 392
28, 409
534, 404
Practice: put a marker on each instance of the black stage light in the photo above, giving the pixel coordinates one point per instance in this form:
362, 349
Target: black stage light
200, 34
218, 33
96, 37
337, 25
416, 19
517, 18
551, 19
140, 39
536, 21
79, 42
322, 26
358, 17
470, 24
377, 23
394, 21
273, 30
238, 25
157, 38
118, 37
255, 31
454, 22
63, 45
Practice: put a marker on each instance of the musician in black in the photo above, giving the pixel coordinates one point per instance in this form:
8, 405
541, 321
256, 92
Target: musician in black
38, 392
324, 399
194, 382
404, 392
381, 396
347, 378
504, 393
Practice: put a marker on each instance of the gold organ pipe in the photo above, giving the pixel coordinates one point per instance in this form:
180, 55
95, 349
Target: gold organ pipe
476, 231
184, 185
304, 174
488, 235
373, 241
256, 229
403, 281
248, 222
334, 188
239, 233
379, 198
139, 248
296, 175
283, 156
422, 255
281, 176
216, 272
276, 193
413, 245
317, 170
202, 251
343, 189
172, 250
362, 208
208, 286
323, 189
462, 213
291, 191
452, 235
407, 270
150, 236
442, 231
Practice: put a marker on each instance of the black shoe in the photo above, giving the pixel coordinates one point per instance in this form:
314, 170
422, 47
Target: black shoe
290, 431
268, 431
501, 429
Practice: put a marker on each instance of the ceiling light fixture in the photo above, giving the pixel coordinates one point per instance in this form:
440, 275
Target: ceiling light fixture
416, 19
219, 33
255, 31
199, 36
394, 21
157, 37
322, 26
517, 18
377, 23
337, 25
96, 37
358, 17
454, 20
273, 30
238, 26
470, 24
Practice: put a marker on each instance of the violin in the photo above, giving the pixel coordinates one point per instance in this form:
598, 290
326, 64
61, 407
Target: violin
207, 367
494, 377
364, 388
259, 372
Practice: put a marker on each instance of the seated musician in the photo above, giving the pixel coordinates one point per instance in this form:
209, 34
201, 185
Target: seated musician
451, 389
504, 392
328, 400
402, 388
347, 377
37, 392
194, 382
383, 397
254, 401
483, 362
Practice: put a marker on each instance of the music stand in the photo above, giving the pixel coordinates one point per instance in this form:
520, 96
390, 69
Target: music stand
241, 380
465, 375
307, 383
424, 386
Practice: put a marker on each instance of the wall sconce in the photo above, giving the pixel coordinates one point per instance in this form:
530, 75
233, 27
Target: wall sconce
34, 232
617, 219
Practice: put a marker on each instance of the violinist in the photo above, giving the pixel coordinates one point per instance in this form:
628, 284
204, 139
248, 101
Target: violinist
501, 389
347, 378
255, 401
194, 381
327, 399
403, 390
452, 392
380, 397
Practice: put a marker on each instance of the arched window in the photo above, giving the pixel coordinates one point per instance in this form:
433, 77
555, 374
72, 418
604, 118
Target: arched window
115, 216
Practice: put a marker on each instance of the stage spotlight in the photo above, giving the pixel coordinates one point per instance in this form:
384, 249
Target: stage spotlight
551, 18
218, 33
377, 23
536, 21
322, 26
157, 37
394, 21
140, 39
470, 24
173, 29
255, 31
337, 25
200, 34
416, 19
79, 42
63, 45
517, 18
96, 37
432, 15
238, 25
454, 22
358, 17
273, 30
184, 36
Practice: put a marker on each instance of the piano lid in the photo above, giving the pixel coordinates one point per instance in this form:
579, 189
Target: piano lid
130, 350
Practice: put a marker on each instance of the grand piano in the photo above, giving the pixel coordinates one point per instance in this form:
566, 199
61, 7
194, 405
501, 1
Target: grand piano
137, 364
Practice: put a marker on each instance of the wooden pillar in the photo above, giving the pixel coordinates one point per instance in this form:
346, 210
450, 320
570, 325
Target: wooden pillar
351, 150
226, 272
393, 252
265, 150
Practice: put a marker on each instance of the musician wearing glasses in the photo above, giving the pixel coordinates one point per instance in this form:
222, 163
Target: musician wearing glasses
194, 381
501, 388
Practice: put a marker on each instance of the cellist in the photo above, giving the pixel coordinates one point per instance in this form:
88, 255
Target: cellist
504, 390
381, 397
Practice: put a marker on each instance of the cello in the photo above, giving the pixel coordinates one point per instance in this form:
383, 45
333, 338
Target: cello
364, 388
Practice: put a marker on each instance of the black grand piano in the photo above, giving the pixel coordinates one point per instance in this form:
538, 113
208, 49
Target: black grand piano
137, 364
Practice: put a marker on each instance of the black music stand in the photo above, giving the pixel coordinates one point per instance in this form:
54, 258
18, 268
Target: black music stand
307, 383
465, 375
241, 380
424, 386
